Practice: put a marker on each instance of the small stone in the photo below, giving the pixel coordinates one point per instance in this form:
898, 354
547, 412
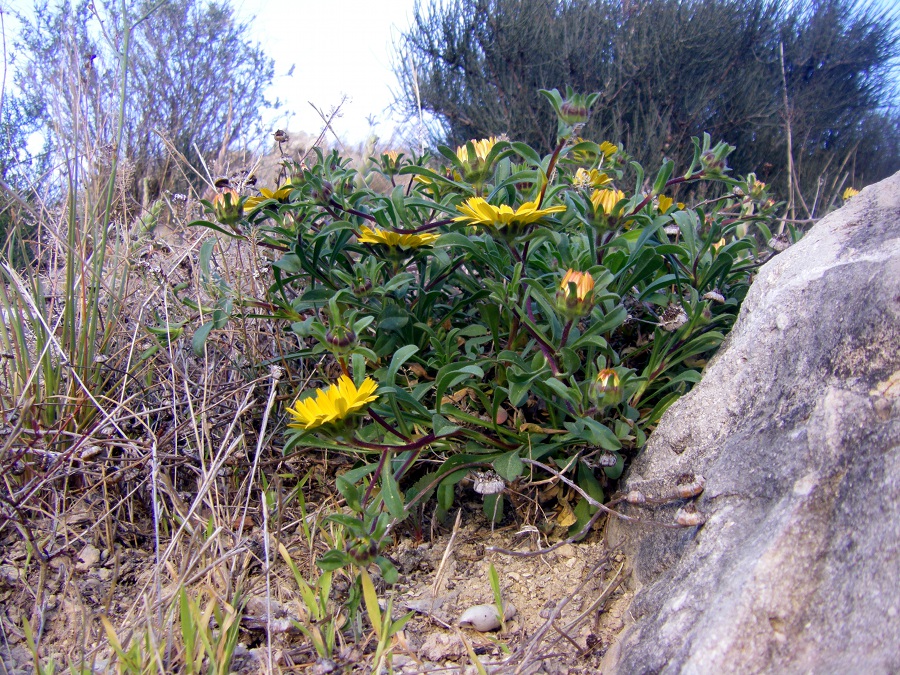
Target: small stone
401, 660
324, 666
88, 558
566, 551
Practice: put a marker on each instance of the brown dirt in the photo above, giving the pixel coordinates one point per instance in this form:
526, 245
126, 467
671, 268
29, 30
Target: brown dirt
86, 582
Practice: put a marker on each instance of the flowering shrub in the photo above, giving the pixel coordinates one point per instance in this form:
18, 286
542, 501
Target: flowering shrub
497, 306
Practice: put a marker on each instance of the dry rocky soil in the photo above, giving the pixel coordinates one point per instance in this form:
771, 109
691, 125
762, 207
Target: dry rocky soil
569, 603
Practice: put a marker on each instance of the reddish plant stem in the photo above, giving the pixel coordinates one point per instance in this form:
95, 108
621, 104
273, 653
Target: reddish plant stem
565, 334
550, 168
669, 183
358, 214
546, 349
602, 244
380, 420
444, 275
433, 225
375, 477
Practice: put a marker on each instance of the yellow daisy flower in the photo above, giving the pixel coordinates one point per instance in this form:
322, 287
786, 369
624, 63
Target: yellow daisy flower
477, 211
577, 302
281, 194
850, 192
387, 238
665, 203
584, 284
608, 149
593, 178
228, 207
605, 200
482, 150
332, 404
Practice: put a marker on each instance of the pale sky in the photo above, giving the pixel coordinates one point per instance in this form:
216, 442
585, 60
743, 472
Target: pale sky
336, 47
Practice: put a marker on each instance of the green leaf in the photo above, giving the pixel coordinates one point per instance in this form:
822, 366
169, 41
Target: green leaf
593, 432
217, 228
390, 492
388, 571
662, 282
400, 357
665, 172
584, 510
446, 491
450, 376
393, 318
353, 524
289, 263
561, 389
353, 476
615, 472
493, 507
349, 492
333, 560
200, 336
509, 465
526, 152
399, 205
661, 407
442, 426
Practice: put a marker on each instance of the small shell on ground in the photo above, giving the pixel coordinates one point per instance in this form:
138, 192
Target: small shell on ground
688, 516
485, 617
635, 497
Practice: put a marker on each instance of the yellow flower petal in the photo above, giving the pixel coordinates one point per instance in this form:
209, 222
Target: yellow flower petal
482, 150
281, 195
586, 179
665, 203
605, 200
332, 404
477, 211
584, 284
608, 149
377, 236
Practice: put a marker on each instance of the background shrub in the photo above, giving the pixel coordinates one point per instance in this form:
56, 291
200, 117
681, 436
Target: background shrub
669, 71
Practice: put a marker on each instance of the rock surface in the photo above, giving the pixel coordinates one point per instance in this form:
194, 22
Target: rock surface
796, 428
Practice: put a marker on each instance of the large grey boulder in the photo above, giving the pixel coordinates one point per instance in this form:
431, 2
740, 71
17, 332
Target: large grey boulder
796, 428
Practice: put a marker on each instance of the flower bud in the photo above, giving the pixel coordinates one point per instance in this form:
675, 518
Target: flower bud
340, 338
575, 296
390, 162
604, 201
323, 193
757, 187
227, 206
573, 111
363, 551
474, 164
607, 388
362, 286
